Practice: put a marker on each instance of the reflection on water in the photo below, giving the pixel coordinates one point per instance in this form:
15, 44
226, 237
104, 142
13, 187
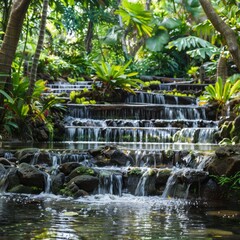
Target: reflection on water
113, 217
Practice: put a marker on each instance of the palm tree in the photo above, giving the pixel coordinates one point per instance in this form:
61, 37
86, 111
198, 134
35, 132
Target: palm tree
33, 74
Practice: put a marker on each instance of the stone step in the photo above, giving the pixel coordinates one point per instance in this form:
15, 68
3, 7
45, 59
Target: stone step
139, 134
137, 111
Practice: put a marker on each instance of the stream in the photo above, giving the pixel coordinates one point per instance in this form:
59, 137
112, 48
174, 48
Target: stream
148, 127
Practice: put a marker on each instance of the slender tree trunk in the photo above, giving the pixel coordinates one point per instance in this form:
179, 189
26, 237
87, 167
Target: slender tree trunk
33, 74
89, 37
228, 34
5, 14
222, 68
124, 35
148, 4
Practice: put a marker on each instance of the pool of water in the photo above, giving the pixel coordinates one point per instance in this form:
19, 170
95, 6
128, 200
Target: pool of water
113, 217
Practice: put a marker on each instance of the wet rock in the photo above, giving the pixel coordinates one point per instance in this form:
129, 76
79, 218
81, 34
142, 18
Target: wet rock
5, 162
26, 151
80, 193
72, 190
3, 173
2, 170
81, 170
57, 183
226, 151
31, 176
132, 182
192, 177
25, 189
120, 159
27, 158
68, 167
12, 178
211, 190
44, 158
162, 177
85, 182
226, 162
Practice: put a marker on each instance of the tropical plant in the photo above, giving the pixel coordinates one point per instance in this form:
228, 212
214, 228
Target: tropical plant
197, 47
134, 15
221, 92
135, 22
114, 76
230, 132
231, 182
20, 115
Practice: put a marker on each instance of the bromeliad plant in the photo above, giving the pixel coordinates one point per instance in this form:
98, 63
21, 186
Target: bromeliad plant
221, 93
20, 115
114, 77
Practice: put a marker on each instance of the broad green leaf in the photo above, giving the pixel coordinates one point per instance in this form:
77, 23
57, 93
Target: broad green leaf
157, 42
171, 23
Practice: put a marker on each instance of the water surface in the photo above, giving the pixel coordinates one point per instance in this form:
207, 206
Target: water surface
113, 217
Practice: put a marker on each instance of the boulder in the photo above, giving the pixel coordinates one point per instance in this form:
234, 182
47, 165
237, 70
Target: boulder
31, 176
26, 158
211, 191
226, 161
12, 178
85, 182
81, 170
3, 171
5, 162
57, 183
68, 167
25, 189
31, 151
44, 158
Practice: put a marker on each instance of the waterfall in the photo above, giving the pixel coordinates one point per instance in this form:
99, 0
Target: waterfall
47, 183
168, 191
110, 183
141, 187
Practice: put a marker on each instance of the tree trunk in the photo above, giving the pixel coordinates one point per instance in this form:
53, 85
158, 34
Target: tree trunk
222, 68
5, 14
33, 74
10, 42
147, 5
11, 37
89, 37
228, 34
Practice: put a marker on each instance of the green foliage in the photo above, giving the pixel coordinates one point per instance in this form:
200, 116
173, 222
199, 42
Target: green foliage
114, 76
18, 114
134, 15
161, 64
232, 182
230, 133
221, 92
153, 82
82, 170
201, 48
76, 97
135, 171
